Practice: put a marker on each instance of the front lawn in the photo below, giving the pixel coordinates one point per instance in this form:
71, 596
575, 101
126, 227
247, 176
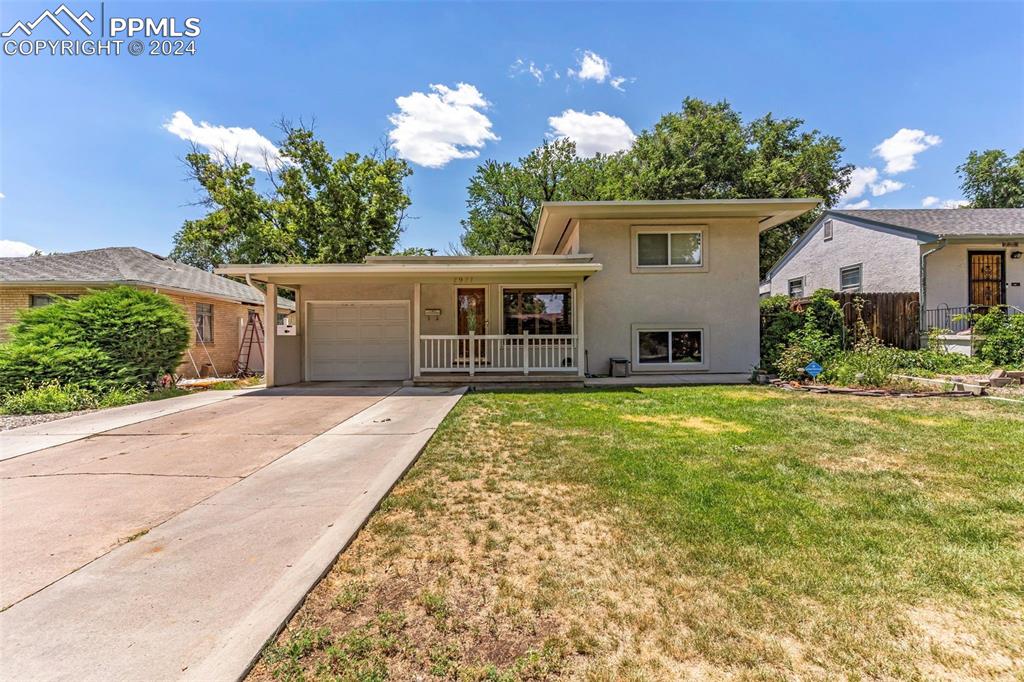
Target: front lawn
685, 532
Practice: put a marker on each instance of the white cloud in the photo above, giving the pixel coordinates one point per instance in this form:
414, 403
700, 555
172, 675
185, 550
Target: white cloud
860, 179
864, 178
935, 202
864, 203
243, 144
2, 195
593, 133
900, 149
591, 66
434, 128
10, 248
521, 66
885, 186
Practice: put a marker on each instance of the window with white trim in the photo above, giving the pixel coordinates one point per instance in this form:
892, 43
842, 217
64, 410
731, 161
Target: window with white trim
669, 346
851, 277
796, 288
204, 322
827, 230
669, 248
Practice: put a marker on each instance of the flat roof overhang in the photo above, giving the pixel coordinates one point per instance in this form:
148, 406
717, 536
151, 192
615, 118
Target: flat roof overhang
301, 274
555, 216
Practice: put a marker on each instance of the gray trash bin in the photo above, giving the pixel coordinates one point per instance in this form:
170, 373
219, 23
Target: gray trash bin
619, 367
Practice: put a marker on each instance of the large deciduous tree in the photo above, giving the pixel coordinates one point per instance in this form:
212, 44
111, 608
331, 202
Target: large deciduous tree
318, 208
993, 179
703, 151
504, 198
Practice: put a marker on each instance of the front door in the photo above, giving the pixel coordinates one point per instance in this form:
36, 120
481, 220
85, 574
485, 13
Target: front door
986, 279
472, 308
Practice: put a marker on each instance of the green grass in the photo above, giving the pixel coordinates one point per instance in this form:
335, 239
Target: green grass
718, 531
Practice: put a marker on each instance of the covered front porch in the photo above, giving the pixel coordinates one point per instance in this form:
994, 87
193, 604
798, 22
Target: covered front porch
436, 320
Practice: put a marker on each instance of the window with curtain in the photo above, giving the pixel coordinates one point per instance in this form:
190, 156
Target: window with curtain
537, 311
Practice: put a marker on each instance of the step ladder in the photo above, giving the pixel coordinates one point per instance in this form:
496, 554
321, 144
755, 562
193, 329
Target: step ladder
252, 338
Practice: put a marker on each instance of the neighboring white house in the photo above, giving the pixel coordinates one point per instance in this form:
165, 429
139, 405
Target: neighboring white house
956, 259
669, 286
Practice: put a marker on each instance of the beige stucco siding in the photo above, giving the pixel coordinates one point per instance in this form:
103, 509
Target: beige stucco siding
722, 300
946, 282
889, 262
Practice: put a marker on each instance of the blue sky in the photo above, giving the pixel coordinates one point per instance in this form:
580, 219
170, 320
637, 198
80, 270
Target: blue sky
90, 147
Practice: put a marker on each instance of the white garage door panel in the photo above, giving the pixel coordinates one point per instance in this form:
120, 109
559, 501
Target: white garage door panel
358, 341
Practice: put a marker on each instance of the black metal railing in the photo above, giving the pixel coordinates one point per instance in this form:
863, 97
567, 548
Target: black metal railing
959, 319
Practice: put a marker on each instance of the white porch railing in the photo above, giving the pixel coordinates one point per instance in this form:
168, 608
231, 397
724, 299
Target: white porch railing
507, 353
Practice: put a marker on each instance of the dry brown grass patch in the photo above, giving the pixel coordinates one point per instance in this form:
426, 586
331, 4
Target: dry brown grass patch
710, 425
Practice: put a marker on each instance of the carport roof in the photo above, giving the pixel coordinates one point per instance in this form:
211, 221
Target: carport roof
417, 266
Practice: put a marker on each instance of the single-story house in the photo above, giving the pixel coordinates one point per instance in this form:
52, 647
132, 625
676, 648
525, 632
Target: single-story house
669, 287
957, 260
218, 307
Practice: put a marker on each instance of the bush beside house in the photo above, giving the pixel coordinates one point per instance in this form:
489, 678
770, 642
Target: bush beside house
792, 339
109, 346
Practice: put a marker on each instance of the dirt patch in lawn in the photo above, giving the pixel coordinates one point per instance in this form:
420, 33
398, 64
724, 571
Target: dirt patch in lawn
701, 424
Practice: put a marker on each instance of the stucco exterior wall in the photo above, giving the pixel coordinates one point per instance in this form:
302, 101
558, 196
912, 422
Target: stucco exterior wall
722, 299
890, 262
946, 274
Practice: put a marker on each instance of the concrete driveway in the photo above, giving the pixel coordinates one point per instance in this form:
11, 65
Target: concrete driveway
175, 546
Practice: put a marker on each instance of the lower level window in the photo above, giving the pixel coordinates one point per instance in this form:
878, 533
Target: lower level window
204, 322
663, 347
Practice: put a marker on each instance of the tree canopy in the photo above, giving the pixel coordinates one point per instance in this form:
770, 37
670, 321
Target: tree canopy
993, 179
319, 208
703, 151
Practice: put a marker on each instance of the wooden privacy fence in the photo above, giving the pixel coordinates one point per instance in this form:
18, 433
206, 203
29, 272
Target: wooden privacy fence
891, 317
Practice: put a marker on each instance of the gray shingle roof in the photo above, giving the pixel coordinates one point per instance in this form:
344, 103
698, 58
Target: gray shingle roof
124, 265
952, 222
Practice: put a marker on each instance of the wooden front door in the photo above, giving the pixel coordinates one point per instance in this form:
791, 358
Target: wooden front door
986, 279
472, 315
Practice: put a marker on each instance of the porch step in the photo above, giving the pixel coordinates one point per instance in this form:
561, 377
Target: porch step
504, 381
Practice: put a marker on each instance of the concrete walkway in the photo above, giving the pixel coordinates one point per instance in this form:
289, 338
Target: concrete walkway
199, 594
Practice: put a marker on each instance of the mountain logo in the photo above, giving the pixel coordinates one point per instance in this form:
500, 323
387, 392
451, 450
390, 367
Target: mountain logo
30, 26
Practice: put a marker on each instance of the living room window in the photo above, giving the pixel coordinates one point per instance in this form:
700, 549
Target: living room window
669, 346
204, 322
537, 311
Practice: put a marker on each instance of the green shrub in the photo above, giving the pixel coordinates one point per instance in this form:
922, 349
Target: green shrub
805, 345
1003, 334
778, 323
116, 338
49, 397
117, 397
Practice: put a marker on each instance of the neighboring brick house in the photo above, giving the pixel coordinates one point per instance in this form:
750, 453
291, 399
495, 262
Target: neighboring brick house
217, 307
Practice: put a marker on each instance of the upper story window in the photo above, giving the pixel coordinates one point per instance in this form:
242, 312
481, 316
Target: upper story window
40, 300
669, 248
851, 277
204, 322
796, 288
827, 230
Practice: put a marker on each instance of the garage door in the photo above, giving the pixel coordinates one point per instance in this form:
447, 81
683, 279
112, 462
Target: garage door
358, 340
